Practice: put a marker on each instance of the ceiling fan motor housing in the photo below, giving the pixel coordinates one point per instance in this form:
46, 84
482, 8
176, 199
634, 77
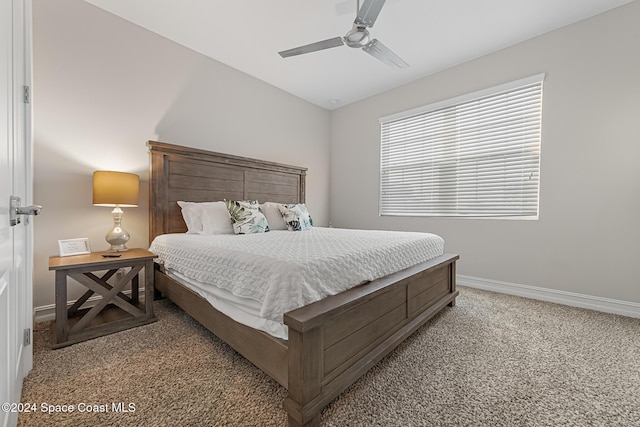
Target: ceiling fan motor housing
357, 37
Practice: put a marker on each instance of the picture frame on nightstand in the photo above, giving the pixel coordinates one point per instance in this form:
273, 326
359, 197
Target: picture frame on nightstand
70, 247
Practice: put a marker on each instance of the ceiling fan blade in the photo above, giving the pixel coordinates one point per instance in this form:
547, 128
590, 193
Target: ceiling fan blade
384, 54
369, 12
324, 44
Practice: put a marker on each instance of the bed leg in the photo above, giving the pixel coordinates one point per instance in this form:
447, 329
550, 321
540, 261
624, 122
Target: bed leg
452, 282
305, 377
314, 422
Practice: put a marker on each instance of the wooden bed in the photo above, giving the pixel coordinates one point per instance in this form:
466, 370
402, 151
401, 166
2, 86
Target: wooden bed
332, 342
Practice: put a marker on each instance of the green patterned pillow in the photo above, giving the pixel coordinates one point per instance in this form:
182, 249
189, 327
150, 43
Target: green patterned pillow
296, 216
247, 217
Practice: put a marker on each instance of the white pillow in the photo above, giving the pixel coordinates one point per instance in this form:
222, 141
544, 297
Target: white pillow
215, 218
274, 217
206, 217
191, 213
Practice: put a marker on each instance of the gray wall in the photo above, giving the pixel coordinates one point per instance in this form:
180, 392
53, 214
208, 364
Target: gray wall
586, 240
103, 87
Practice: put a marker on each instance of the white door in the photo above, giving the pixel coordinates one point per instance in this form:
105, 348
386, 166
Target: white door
16, 251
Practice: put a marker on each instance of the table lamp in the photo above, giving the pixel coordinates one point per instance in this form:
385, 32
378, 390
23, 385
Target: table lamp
116, 189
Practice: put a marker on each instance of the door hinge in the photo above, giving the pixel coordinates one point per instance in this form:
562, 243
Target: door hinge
27, 337
27, 95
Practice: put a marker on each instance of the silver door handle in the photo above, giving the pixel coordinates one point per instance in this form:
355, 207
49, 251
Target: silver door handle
29, 210
15, 210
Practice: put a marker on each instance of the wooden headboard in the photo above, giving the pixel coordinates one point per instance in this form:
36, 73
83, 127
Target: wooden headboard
190, 174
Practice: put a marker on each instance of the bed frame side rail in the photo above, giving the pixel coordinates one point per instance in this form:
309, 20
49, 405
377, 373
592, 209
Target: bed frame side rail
266, 352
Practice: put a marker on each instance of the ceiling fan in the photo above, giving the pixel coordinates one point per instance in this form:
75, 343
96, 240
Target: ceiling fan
357, 37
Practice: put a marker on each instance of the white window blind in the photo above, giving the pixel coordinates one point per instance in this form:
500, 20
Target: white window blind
473, 156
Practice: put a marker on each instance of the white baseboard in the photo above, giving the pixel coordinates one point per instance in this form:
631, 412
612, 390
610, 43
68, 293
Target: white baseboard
48, 312
607, 305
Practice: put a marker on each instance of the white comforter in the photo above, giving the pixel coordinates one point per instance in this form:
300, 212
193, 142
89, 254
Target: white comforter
284, 270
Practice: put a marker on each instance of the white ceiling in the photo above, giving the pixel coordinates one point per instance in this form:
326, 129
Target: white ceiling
431, 35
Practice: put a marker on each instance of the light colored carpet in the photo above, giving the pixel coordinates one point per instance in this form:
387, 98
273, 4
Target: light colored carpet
493, 360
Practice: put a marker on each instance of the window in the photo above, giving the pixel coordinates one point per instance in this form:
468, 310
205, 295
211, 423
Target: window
473, 156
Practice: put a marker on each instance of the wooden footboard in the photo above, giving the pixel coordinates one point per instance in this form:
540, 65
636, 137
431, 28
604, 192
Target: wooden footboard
333, 342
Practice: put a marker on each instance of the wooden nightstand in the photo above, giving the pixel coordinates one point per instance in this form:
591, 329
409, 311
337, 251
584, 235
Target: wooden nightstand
115, 311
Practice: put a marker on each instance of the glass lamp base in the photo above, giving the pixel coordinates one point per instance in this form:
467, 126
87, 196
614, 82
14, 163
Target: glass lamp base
117, 237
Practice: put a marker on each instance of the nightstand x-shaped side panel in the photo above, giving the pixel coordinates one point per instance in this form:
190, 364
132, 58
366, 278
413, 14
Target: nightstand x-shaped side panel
80, 301
110, 294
